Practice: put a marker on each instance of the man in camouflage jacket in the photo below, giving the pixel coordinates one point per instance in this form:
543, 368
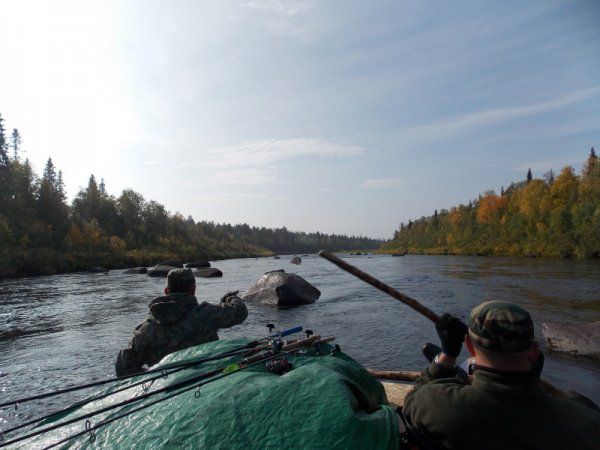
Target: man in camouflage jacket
504, 407
177, 321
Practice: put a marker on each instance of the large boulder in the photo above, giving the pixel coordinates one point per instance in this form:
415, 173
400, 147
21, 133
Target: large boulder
196, 264
173, 263
278, 288
573, 338
136, 270
160, 271
208, 272
296, 260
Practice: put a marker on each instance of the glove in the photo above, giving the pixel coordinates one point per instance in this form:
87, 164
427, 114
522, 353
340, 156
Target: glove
227, 297
452, 334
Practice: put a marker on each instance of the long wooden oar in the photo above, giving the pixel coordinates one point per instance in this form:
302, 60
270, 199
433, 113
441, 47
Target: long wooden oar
401, 375
414, 304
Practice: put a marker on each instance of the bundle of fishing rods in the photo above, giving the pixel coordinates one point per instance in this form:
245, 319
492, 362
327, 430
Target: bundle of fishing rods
252, 354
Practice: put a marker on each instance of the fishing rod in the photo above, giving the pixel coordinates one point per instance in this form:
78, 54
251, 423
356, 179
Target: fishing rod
227, 369
414, 304
143, 382
90, 429
226, 354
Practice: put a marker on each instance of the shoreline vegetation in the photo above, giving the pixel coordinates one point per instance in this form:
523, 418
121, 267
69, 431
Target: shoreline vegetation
552, 216
40, 234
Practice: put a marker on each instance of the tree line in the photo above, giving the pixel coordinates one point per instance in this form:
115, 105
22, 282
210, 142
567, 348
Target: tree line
554, 216
41, 233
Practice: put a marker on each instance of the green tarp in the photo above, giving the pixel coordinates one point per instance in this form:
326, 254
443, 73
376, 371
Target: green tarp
325, 402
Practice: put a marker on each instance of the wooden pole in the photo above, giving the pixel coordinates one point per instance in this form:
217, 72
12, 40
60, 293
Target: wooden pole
414, 304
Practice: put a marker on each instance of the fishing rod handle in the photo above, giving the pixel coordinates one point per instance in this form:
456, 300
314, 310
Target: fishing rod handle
284, 333
414, 304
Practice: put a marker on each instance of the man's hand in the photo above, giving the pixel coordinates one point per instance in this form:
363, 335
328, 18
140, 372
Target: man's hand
227, 297
452, 334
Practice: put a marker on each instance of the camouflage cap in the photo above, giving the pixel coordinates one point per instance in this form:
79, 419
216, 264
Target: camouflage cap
502, 327
179, 279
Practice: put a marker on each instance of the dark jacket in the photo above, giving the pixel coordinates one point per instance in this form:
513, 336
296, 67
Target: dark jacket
177, 321
497, 411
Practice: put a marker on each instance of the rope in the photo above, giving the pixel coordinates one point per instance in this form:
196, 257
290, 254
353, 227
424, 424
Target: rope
246, 362
249, 345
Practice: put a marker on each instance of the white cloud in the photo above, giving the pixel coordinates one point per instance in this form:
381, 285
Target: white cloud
284, 7
240, 196
383, 183
256, 162
460, 123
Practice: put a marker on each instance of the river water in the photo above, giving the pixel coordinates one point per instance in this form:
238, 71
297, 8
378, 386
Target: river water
57, 331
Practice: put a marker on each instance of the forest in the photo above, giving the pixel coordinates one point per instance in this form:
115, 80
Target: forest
552, 216
41, 233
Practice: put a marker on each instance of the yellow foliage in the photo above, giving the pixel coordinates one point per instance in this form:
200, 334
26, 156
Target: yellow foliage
564, 189
76, 237
116, 243
490, 208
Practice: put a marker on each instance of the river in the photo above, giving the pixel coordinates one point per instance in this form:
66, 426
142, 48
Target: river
57, 331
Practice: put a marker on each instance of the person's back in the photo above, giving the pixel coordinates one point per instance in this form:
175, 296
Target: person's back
501, 408
176, 322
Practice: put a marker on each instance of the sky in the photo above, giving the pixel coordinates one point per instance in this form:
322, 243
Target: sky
332, 116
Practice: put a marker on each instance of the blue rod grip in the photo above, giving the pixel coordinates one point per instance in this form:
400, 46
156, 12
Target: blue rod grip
287, 332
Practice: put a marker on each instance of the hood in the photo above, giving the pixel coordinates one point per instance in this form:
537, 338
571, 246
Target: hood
171, 308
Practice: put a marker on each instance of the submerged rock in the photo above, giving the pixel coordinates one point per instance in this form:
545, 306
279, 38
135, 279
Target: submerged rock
576, 339
276, 257
136, 270
296, 260
196, 264
160, 270
278, 288
208, 272
99, 270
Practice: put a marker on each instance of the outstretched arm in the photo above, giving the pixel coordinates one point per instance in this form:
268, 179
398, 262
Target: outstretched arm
231, 311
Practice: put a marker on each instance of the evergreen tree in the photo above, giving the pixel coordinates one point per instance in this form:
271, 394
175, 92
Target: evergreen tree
3, 145
529, 175
15, 143
51, 206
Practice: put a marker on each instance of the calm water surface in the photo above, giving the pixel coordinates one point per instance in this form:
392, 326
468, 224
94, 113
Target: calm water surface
61, 330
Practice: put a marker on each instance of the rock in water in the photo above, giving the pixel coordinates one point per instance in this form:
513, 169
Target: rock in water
99, 270
576, 339
296, 260
196, 264
173, 263
208, 272
278, 288
136, 270
160, 271
276, 257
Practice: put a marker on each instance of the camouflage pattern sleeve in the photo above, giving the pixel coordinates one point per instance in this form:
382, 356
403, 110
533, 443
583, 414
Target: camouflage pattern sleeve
232, 311
131, 359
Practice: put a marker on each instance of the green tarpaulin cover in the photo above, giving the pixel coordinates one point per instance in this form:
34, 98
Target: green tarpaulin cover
324, 402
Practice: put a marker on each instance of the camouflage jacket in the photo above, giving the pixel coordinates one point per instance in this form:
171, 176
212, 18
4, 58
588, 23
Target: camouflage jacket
177, 321
496, 411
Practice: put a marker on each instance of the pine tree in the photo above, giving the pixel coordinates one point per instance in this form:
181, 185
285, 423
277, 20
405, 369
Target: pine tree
15, 143
529, 175
502, 191
51, 206
4, 161
591, 162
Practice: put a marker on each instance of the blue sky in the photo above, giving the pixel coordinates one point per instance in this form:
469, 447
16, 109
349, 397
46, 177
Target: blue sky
337, 116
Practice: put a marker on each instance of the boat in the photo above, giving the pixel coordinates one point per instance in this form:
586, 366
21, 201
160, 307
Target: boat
303, 393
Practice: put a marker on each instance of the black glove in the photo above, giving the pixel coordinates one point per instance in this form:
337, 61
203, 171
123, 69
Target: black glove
227, 297
452, 334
